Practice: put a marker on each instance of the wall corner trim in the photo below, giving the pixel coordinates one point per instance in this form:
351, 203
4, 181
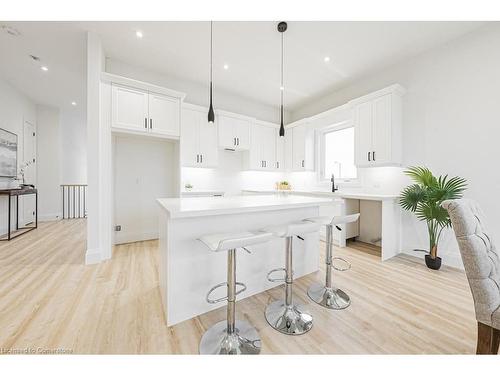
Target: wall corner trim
92, 256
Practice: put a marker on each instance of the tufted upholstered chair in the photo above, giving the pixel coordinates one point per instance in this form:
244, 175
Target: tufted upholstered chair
482, 267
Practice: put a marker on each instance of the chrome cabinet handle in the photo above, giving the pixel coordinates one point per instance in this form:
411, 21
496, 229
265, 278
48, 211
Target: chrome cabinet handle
369, 156
373, 155
197, 158
201, 158
151, 123
145, 122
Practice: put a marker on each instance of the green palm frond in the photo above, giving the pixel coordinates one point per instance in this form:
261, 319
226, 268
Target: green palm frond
421, 175
411, 196
424, 198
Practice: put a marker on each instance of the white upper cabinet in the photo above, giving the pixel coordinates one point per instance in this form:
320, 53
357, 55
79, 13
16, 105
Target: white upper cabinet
302, 140
135, 107
130, 108
280, 151
262, 152
378, 127
198, 138
234, 131
163, 114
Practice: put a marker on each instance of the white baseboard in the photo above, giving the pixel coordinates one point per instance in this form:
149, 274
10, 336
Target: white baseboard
450, 260
124, 237
49, 217
92, 256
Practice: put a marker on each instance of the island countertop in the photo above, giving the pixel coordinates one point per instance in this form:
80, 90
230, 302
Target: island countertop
206, 206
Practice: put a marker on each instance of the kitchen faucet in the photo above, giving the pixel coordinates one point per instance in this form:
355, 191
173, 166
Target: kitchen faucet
334, 188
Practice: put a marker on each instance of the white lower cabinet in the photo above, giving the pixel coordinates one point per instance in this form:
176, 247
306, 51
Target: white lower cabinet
198, 138
378, 127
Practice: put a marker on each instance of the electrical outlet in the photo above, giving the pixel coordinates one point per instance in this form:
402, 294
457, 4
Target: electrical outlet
118, 228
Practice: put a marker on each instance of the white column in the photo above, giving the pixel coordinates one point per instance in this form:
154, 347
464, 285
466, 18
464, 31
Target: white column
98, 160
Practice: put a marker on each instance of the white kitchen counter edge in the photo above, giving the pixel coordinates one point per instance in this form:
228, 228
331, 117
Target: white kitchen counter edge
173, 212
361, 196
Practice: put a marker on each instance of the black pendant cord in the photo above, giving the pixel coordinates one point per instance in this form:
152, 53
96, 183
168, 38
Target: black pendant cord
211, 115
282, 26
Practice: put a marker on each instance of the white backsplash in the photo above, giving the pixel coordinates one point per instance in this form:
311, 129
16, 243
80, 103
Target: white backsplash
230, 178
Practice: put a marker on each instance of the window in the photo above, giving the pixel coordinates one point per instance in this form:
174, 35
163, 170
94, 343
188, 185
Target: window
337, 153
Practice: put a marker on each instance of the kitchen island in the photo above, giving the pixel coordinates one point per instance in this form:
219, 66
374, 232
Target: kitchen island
188, 269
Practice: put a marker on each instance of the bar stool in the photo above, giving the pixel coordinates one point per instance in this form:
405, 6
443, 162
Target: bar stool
231, 336
327, 295
283, 315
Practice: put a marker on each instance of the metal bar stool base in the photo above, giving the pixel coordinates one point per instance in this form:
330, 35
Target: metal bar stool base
244, 340
290, 320
331, 298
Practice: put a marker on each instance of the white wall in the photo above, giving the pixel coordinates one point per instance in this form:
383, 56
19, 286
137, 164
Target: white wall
15, 108
48, 163
451, 119
73, 139
144, 169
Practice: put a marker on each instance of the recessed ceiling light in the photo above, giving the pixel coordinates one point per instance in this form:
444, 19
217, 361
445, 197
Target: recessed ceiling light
139, 34
326, 59
44, 68
226, 67
73, 103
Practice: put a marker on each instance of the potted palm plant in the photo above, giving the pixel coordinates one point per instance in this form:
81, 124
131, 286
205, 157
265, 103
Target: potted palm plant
424, 198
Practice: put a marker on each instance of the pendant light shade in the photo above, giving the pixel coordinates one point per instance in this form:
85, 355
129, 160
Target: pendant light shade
282, 26
211, 114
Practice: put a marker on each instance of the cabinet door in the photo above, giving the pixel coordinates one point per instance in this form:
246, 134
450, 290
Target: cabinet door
269, 147
255, 157
298, 148
242, 130
280, 152
227, 136
363, 119
190, 138
164, 114
288, 140
208, 149
129, 108
381, 130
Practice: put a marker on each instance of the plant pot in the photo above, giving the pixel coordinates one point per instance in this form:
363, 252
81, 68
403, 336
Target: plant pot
433, 264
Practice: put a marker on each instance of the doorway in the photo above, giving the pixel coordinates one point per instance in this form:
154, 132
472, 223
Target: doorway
27, 202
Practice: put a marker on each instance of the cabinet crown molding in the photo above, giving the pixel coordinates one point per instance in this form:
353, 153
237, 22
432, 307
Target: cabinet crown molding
120, 80
396, 89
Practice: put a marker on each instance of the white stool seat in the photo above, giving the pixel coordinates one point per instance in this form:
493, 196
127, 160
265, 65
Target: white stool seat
335, 220
229, 241
292, 229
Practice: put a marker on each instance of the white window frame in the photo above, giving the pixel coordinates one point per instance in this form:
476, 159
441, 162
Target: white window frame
322, 179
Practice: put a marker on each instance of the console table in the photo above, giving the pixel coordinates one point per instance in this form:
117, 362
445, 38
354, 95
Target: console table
9, 193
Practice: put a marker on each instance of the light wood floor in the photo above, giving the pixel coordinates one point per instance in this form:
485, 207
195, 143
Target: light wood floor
49, 299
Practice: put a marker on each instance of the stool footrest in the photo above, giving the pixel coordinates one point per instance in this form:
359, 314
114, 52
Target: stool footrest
346, 268
209, 300
276, 280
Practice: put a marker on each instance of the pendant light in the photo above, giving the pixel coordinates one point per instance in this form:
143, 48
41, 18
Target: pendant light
282, 26
211, 115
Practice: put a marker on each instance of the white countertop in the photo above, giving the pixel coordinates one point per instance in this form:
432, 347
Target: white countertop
362, 196
206, 206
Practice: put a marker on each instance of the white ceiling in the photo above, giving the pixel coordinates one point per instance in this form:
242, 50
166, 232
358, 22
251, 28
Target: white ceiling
251, 49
